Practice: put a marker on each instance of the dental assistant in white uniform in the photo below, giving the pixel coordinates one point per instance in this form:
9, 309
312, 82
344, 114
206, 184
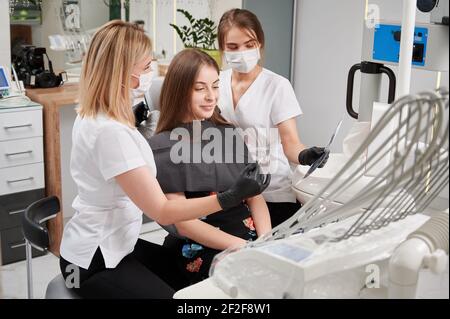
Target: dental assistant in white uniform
115, 173
256, 99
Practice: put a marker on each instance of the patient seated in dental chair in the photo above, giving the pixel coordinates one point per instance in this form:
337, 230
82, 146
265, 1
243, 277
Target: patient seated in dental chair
196, 154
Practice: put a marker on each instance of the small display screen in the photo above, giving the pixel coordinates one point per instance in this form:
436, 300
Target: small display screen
4, 84
294, 253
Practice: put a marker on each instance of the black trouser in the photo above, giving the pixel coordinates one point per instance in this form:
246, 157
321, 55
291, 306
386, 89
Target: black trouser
280, 212
148, 272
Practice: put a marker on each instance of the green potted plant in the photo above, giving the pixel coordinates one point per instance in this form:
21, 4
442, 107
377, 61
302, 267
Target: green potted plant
200, 34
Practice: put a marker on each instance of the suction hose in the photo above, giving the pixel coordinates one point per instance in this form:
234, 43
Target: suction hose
434, 232
427, 246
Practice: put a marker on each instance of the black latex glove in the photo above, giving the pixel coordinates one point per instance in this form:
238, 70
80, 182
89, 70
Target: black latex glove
250, 183
141, 112
310, 155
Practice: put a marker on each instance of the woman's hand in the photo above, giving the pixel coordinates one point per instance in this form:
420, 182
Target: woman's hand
260, 214
141, 113
250, 183
310, 155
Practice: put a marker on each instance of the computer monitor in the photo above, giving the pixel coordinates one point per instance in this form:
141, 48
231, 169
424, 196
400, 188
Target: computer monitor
4, 81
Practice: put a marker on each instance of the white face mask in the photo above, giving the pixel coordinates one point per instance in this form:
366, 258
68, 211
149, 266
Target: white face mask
145, 82
243, 61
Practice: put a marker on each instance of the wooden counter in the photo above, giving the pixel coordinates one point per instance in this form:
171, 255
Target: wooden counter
52, 100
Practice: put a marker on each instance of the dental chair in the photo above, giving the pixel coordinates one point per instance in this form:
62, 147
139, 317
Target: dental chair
152, 96
148, 128
36, 236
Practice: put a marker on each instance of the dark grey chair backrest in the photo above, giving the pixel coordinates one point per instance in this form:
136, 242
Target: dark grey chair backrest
33, 222
35, 231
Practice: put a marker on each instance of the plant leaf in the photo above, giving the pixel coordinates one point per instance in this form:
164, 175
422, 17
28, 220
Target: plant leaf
187, 15
201, 33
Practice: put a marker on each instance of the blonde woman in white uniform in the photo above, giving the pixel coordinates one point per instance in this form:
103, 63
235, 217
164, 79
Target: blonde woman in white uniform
256, 99
113, 167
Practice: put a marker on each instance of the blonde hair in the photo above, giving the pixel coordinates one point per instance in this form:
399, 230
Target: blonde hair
106, 73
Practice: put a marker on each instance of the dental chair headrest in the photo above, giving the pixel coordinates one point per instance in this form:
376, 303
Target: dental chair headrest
152, 96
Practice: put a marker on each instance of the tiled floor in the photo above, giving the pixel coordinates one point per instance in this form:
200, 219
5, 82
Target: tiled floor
13, 277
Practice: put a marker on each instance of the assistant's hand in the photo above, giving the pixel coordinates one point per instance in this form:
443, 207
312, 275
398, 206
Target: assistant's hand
310, 155
250, 183
140, 113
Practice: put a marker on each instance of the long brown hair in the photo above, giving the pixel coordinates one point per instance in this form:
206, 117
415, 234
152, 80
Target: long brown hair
243, 19
176, 91
106, 73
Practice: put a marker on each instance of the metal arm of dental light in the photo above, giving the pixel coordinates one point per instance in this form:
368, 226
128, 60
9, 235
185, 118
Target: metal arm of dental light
314, 215
375, 185
425, 248
409, 181
375, 219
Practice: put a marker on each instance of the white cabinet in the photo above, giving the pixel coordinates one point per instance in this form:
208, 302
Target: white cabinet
22, 177
19, 123
21, 152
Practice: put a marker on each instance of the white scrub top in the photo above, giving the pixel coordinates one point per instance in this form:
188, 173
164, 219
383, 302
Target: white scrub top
269, 101
105, 216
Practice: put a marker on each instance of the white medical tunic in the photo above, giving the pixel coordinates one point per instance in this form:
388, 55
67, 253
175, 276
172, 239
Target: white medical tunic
105, 216
269, 101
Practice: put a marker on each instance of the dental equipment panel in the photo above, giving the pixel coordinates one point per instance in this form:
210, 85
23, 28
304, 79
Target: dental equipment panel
381, 44
325, 250
386, 44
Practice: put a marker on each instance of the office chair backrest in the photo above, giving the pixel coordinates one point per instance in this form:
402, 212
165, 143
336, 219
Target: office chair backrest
34, 229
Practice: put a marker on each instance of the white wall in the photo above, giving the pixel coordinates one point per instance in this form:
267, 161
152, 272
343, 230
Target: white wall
5, 50
219, 7
50, 25
94, 13
143, 10
329, 40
